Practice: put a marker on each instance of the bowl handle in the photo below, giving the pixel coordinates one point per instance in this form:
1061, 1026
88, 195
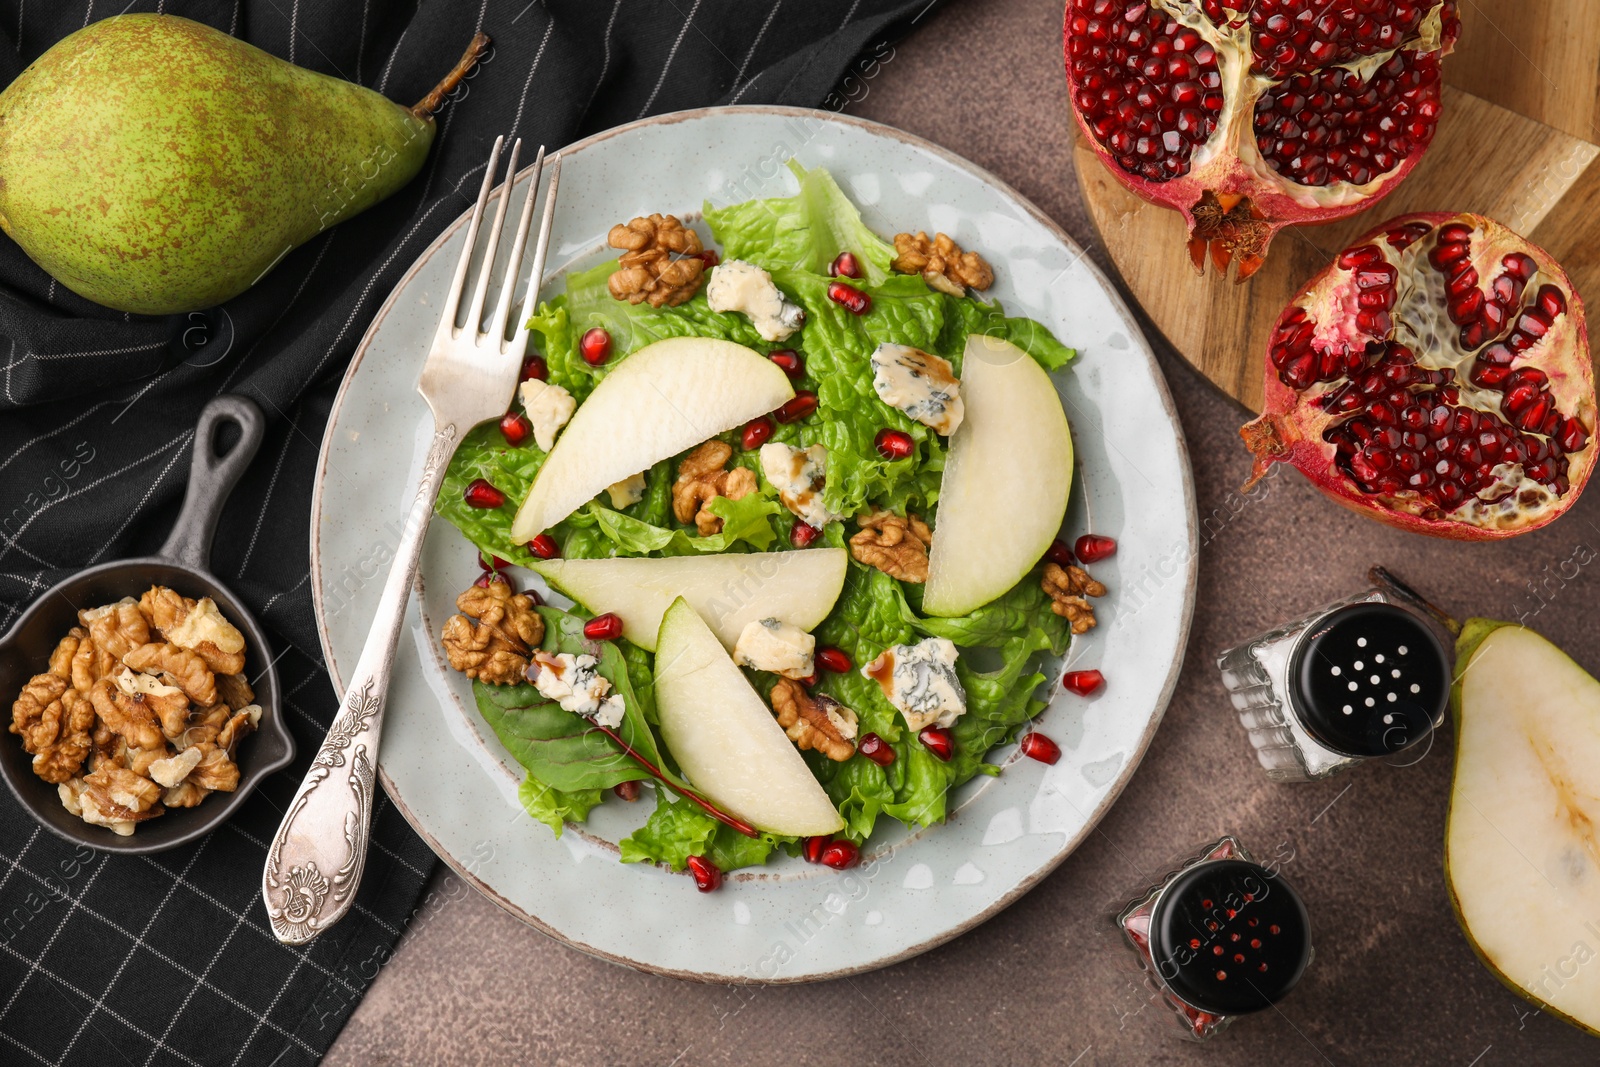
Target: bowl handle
212, 477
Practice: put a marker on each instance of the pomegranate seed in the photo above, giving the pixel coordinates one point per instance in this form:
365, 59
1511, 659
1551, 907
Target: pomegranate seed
480, 494
709, 257
1059, 554
488, 578
844, 265
534, 367
757, 432
894, 444
938, 741
850, 298
833, 659
1082, 682
628, 791
607, 627
515, 428
810, 680
876, 749
1037, 746
1092, 548
544, 546
801, 534
802, 404
841, 855
707, 875
811, 848
789, 361
595, 346
495, 563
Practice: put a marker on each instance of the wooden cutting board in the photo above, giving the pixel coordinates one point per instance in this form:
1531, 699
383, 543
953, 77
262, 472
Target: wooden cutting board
1518, 141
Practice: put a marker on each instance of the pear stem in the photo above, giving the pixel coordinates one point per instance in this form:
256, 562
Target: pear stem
1381, 577
655, 772
430, 103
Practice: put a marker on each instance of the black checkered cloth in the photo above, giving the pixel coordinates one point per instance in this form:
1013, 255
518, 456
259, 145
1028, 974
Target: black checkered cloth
169, 959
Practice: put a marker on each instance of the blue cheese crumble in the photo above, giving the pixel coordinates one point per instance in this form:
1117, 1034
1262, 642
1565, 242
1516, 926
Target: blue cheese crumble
746, 288
780, 647
573, 682
920, 680
798, 474
921, 384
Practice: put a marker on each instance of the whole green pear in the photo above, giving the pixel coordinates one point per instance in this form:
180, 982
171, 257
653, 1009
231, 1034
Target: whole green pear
156, 165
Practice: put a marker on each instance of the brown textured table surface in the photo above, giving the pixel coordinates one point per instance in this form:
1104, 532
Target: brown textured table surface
1393, 982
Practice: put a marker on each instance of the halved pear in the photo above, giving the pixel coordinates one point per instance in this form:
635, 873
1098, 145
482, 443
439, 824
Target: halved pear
1006, 479
727, 590
724, 737
1522, 847
667, 397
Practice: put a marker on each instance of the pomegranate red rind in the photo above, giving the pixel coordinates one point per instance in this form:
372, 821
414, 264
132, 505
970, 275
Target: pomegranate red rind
1250, 115
1437, 377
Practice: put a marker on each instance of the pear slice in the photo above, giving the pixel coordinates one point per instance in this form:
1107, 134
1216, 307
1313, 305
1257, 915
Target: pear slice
1006, 479
667, 397
724, 737
727, 590
1522, 847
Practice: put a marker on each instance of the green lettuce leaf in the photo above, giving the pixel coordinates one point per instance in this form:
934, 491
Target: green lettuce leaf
554, 807
804, 232
748, 520
677, 829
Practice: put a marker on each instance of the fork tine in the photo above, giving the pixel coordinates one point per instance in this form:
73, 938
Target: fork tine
491, 245
447, 321
536, 276
508, 289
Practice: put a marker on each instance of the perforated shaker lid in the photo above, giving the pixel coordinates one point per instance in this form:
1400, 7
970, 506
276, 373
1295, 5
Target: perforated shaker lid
1369, 679
1228, 937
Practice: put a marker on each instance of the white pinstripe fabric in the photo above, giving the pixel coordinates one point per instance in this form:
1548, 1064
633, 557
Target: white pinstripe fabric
671, 55
148, 493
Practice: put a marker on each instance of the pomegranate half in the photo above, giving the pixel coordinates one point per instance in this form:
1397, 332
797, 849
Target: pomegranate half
1251, 115
1435, 376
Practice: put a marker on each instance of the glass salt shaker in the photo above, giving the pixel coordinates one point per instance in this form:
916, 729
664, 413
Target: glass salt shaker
1219, 937
1356, 679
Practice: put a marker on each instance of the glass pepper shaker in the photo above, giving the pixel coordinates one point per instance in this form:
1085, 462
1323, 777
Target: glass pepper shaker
1220, 937
1356, 679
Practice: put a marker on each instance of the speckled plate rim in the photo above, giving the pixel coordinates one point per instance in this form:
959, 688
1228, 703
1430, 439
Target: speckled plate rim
465, 868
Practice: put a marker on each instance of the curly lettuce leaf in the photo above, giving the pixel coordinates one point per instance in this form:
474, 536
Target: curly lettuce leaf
748, 520
806, 231
555, 807
677, 829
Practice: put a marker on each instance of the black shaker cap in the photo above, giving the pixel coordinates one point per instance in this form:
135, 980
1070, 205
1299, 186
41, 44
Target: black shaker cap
1229, 937
1369, 680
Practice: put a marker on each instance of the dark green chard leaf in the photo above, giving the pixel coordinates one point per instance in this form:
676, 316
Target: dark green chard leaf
559, 748
677, 830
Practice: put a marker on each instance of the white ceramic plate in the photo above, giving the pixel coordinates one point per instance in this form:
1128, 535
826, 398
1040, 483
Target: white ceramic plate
789, 921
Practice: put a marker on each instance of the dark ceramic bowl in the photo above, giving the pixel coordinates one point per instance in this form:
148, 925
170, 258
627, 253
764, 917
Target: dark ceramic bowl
183, 564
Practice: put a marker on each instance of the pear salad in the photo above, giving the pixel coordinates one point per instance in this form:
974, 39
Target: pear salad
805, 495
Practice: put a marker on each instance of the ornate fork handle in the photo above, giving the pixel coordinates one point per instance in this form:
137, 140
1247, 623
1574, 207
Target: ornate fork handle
315, 860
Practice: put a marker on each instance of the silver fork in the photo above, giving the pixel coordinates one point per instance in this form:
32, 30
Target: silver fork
315, 860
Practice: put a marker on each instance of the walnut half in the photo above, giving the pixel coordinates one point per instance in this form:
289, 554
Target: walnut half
701, 480
941, 262
896, 546
1067, 587
660, 261
494, 635
814, 720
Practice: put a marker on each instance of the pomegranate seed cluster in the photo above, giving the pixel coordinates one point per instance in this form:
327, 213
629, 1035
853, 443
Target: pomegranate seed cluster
1293, 36
1328, 126
1148, 86
1402, 427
